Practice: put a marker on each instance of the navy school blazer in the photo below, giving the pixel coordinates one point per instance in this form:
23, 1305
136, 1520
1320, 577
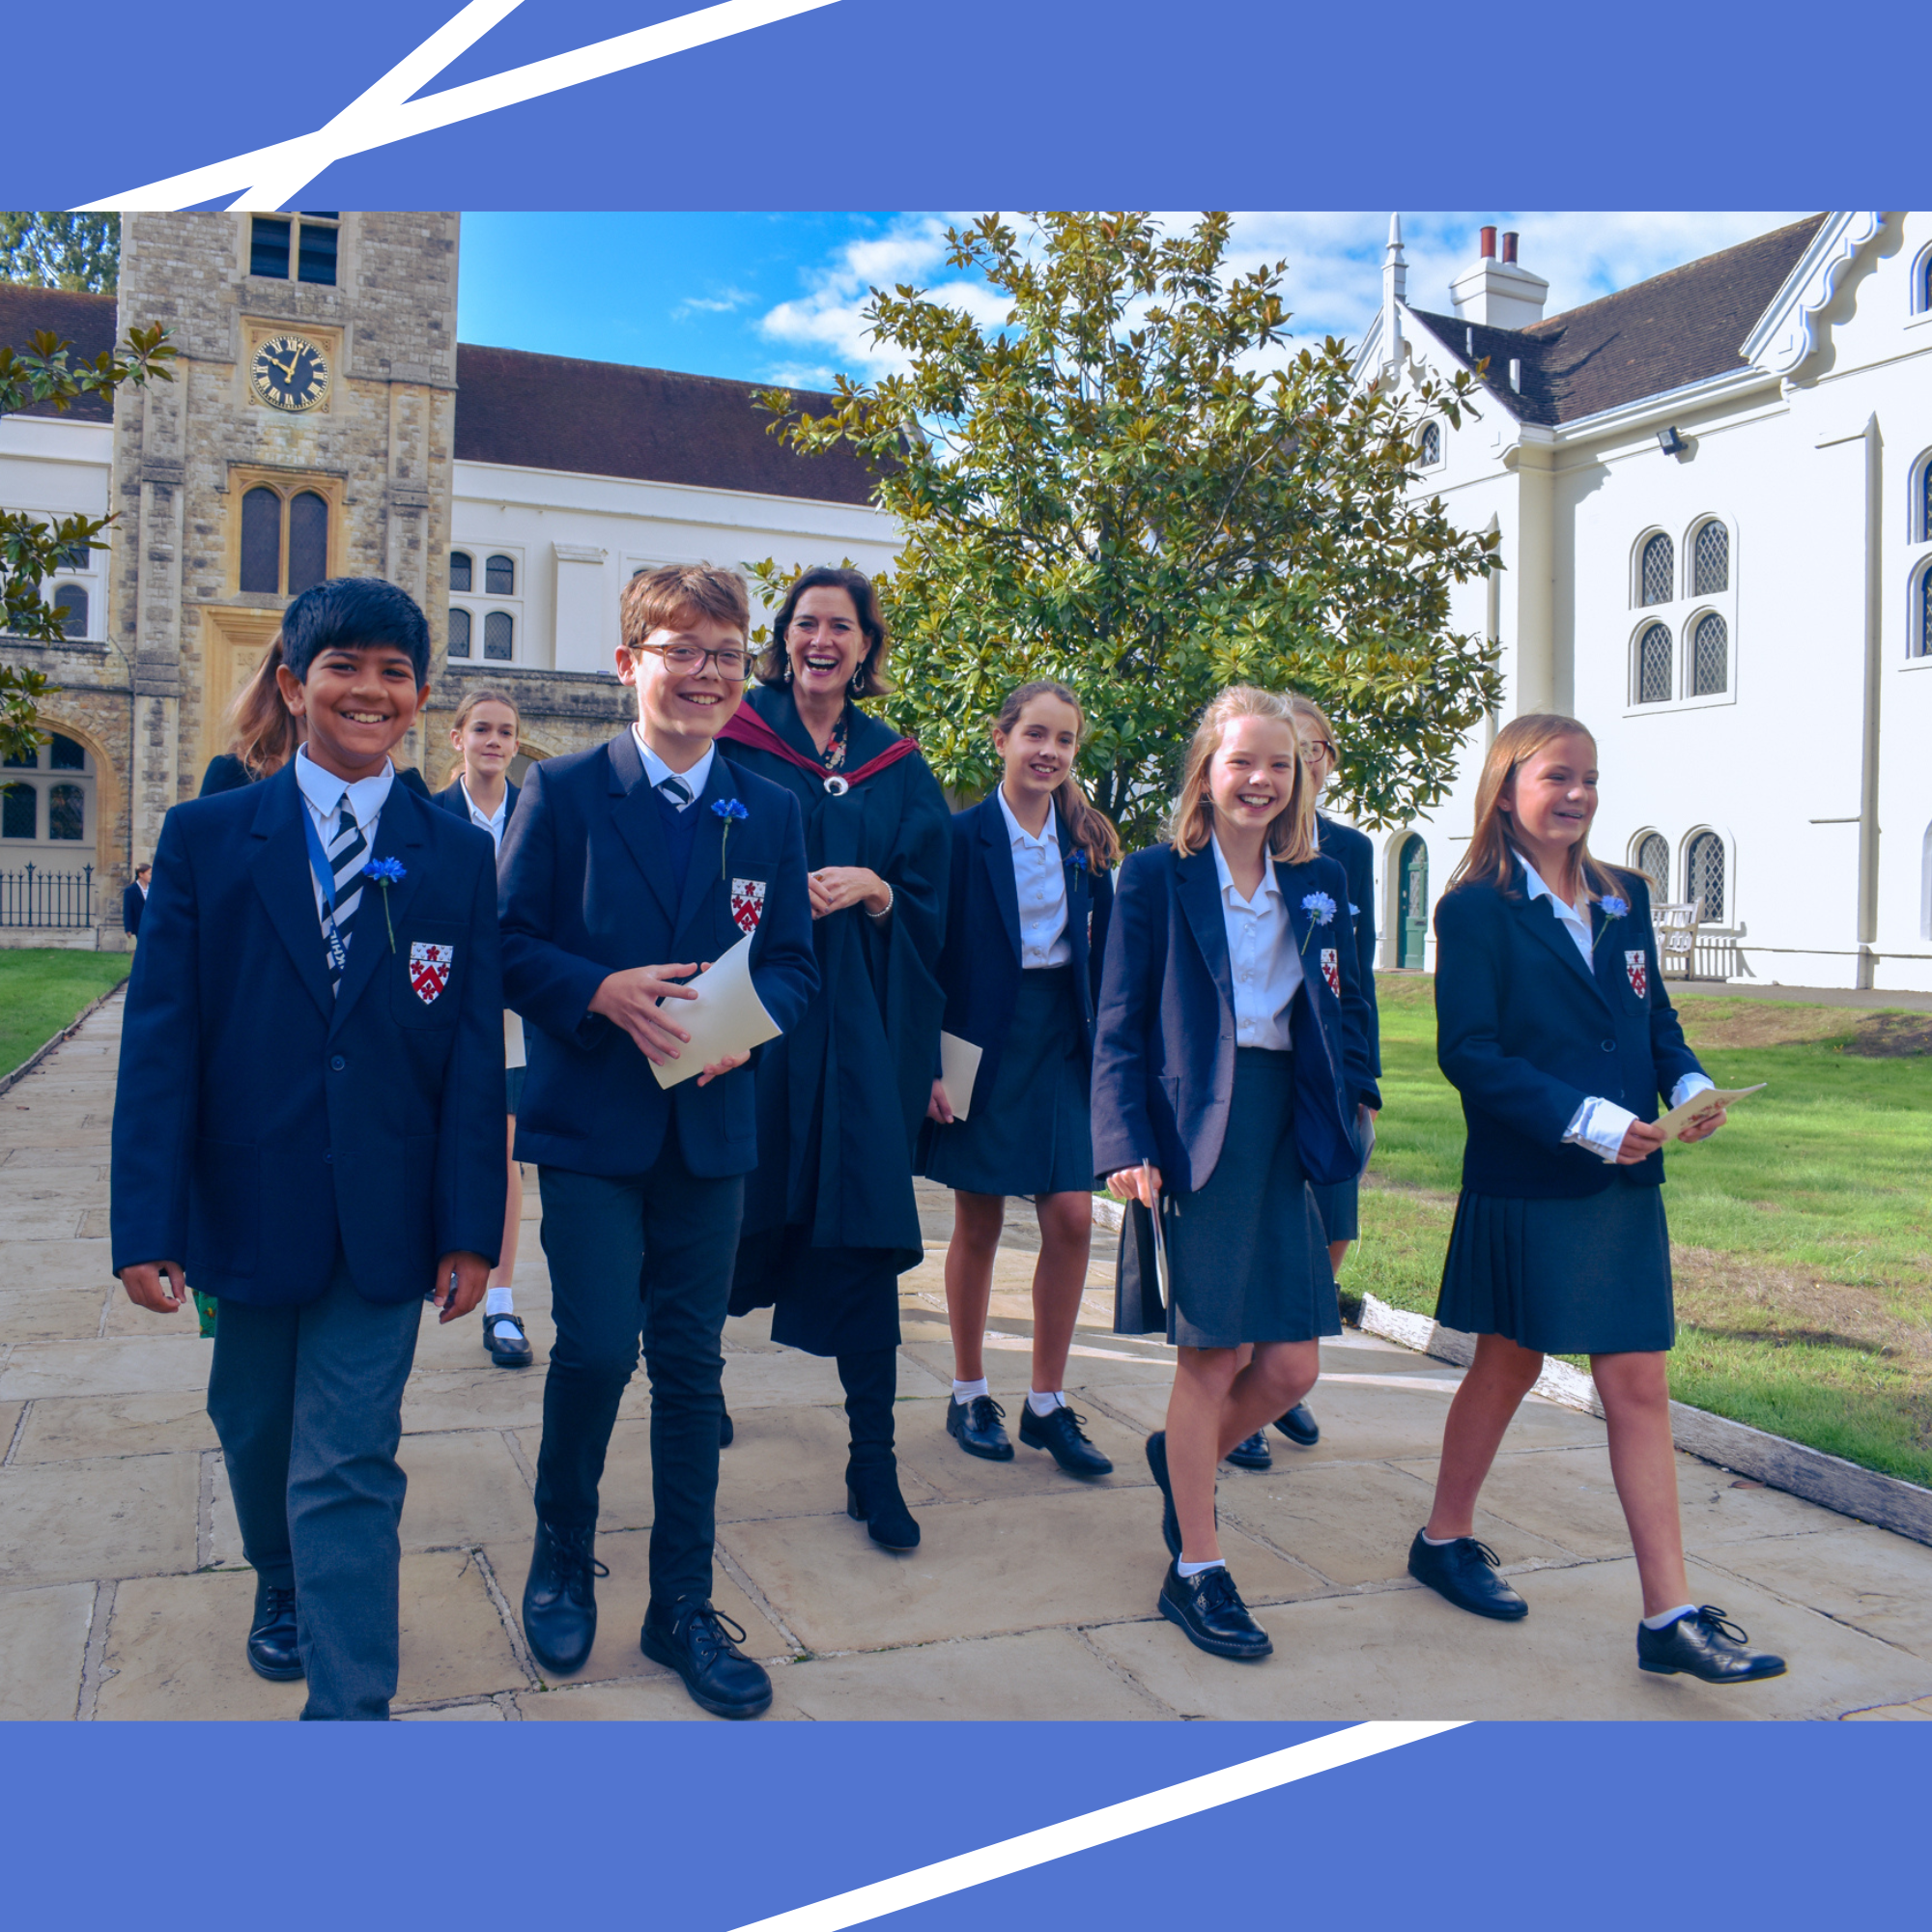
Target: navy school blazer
451, 797
1356, 854
980, 967
1526, 1033
260, 1123
1164, 1045
584, 891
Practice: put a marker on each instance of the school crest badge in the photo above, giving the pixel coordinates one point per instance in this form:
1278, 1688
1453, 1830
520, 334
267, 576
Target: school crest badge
1331, 970
429, 969
748, 903
1638, 966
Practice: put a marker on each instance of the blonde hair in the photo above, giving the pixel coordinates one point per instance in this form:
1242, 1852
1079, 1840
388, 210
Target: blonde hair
261, 730
1491, 858
1291, 831
1089, 827
487, 695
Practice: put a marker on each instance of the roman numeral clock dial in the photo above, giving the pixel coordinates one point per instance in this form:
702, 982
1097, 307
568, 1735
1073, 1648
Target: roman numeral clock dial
288, 372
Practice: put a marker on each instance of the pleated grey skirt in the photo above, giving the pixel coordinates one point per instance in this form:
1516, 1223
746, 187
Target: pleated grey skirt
1585, 1277
1246, 1254
1034, 1133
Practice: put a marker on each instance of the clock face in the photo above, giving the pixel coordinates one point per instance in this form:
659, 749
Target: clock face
288, 372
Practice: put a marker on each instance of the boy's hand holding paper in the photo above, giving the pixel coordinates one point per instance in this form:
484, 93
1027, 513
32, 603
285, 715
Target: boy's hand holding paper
721, 1016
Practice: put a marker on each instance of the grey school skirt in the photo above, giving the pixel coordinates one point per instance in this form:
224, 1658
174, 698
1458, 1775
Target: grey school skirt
1575, 1277
1248, 1257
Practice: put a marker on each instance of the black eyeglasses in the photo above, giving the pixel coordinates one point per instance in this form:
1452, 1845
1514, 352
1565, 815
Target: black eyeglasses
733, 665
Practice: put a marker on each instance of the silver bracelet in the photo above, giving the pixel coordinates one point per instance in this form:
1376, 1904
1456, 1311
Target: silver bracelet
885, 911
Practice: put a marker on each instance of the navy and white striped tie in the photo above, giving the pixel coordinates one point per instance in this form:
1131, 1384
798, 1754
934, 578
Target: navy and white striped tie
348, 851
674, 792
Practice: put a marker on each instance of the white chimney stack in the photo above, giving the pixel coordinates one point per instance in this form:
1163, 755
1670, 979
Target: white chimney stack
1395, 292
1498, 293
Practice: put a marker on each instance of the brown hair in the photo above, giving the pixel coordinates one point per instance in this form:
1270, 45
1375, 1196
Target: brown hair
1306, 707
1090, 828
869, 680
1491, 858
673, 594
487, 695
261, 730
1290, 832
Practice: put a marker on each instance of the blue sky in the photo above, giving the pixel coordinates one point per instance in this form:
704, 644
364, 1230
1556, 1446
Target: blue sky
780, 297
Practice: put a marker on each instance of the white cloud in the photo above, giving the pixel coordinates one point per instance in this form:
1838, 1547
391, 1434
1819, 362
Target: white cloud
723, 303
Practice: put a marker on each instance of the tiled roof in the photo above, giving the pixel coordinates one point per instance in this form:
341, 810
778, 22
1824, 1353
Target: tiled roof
87, 321
1680, 327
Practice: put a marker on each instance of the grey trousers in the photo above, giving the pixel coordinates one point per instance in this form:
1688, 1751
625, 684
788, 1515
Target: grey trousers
307, 1402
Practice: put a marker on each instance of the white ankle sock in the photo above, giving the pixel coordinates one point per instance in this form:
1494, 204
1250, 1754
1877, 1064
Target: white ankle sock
1195, 1568
499, 1301
966, 1391
1666, 1618
1045, 1405
1439, 1542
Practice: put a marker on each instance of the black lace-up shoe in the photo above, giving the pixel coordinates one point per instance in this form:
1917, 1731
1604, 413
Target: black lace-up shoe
560, 1598
975, 1426
1465, 1572
702, 1645
272, 1637
508, 1346
1209, 1608
1704, 1643
1060, 1433
1299, 1426
873, 1497
1253, 1454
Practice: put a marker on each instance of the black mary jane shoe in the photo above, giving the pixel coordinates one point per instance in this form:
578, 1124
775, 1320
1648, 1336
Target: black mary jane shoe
1299, 1426
975, 1424
272, 1637
1704, 1643
873, 1497
509, 1347
560, 1598
702, 1645
1209, 1611
1253, 1454
1465, 1572
1060, 1433
726, 1428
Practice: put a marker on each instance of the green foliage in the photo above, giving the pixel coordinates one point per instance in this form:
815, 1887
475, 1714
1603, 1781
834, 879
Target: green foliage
1130, 485
46, 249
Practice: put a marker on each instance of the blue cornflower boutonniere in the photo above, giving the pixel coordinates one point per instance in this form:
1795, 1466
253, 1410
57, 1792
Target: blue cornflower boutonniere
1613, 907
1320, 911
1076, 861
729, 809
386, 872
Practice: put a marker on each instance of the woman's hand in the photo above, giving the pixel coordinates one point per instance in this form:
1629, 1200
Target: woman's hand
1641, 1140
1136, 1183
834, 888
1704, 1126
939, 1108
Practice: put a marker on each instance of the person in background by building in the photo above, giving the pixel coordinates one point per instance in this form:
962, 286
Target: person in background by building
1026, 930
134, 899
484, 731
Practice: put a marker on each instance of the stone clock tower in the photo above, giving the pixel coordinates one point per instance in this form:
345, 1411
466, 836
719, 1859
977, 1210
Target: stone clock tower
308, 434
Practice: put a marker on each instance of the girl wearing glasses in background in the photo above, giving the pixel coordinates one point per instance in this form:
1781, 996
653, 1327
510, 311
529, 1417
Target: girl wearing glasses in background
829, 1217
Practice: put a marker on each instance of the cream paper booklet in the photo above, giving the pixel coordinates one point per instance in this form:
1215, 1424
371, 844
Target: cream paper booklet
1698, 1105
726, 1018
958, 1069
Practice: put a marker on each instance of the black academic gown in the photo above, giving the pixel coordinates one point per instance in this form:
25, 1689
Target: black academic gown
829, 1217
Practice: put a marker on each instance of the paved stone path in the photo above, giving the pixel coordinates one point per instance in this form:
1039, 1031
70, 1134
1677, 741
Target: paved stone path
123, 1592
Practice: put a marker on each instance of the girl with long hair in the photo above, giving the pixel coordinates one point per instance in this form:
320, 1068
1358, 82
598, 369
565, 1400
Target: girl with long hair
1554, 1025
1026, 930
263, 734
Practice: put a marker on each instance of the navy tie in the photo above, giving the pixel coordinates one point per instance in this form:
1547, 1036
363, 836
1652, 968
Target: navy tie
348, 851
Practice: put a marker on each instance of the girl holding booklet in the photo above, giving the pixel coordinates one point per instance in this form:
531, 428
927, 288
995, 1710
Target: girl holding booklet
1228, 1057
1026, 927
1553, 1024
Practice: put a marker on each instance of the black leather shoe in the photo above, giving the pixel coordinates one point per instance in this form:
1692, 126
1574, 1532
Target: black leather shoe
873, 1497
1059, 1435
504, 1338
1299, 1426
1253, 1454
702, 1645
272, 1637
1209, 1608
1465, 1572
975, 1426
560, 1598
726, 1428
1704, 1644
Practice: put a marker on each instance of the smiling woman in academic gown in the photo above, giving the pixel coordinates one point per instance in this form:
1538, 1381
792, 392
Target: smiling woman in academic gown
830, 1218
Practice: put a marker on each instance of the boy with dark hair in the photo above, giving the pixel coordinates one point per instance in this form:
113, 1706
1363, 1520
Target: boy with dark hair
308, 1125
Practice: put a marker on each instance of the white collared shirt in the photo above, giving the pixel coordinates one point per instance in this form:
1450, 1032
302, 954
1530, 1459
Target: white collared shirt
322, 793
492, 822
1264, 965
656, 771
1039, 878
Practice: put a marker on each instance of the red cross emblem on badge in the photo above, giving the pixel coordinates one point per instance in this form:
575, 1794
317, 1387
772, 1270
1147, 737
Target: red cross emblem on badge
1638, 966
428, 969
748, 903
1331, 970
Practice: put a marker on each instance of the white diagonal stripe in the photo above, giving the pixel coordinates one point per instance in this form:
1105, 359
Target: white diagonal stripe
1097, 1828
301, 158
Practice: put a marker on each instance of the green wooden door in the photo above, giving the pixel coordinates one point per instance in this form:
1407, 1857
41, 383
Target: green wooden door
1412, 933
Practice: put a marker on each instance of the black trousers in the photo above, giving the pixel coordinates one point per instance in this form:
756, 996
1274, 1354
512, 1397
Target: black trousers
307, 1402
646, 1252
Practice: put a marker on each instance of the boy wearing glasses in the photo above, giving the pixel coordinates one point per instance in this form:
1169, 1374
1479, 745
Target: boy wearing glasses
652, 848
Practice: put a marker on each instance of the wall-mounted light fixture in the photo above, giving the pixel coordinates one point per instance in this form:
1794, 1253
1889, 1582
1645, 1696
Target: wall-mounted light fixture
1670, 441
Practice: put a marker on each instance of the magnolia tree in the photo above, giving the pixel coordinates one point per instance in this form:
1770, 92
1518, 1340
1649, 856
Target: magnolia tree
1132, 484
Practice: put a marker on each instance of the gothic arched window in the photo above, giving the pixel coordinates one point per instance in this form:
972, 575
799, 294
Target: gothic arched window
308, 541
70, 601
500, 576
262, 540
459, 634
1651, 680
1657, 574
1709, 656
1924, 638
461, 568
1653, 860
1428, 446
1710, 559
1704, 876
498, 636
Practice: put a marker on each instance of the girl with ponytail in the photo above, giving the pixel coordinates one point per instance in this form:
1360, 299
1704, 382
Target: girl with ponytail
1032, 887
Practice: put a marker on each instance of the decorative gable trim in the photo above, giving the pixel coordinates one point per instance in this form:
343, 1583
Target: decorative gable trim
1794, 330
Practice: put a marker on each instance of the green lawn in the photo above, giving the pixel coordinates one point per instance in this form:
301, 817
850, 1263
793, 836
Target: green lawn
1800, 1232
43, 989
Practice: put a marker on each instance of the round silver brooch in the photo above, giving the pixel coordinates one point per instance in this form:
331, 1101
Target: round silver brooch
836, 785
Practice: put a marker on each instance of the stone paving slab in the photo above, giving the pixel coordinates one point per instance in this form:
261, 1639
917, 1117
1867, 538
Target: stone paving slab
43, 1646
131, 1515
